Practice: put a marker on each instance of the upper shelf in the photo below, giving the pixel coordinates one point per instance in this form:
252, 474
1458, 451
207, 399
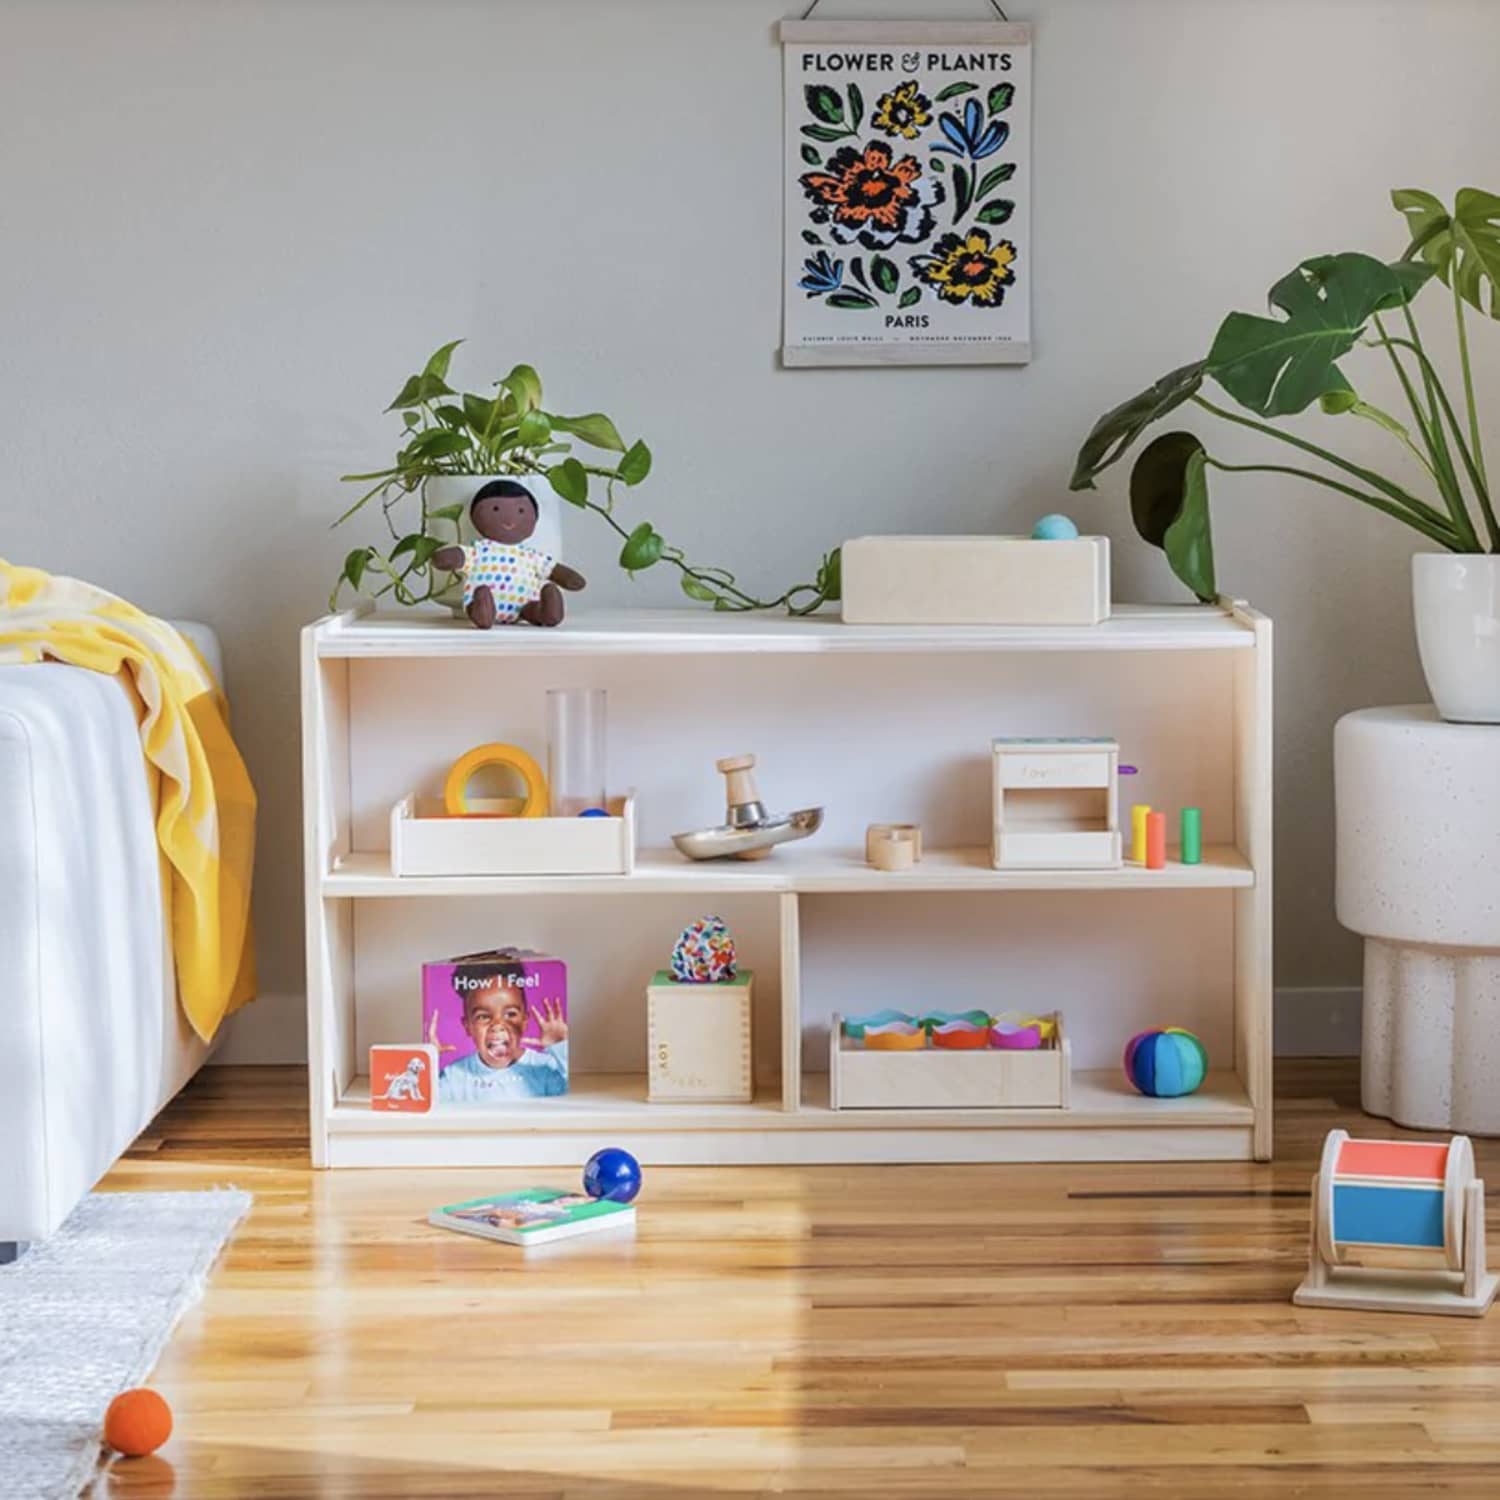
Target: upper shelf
671, 632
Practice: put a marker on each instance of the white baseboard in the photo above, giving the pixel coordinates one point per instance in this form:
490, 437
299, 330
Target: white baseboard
1315, 1022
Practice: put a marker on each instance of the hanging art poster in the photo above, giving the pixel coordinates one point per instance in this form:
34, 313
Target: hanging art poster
908, 188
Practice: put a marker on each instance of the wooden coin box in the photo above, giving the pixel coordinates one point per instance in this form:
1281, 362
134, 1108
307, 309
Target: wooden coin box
698, 1040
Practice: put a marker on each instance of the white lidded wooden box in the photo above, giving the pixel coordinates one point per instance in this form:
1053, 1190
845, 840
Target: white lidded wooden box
698, 1040
975, 580
1057, 804
425, 841
939, 1078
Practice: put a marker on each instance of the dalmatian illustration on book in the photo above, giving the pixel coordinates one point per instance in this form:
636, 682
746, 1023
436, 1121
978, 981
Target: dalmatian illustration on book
403, 1078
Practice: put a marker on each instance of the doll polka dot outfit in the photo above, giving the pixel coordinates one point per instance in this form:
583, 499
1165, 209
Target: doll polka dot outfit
515, 575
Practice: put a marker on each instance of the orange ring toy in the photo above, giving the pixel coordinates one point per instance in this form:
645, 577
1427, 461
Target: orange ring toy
456, 788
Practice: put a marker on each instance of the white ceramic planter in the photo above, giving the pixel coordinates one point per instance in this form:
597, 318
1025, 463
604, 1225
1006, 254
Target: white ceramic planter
1456, 602
460, 489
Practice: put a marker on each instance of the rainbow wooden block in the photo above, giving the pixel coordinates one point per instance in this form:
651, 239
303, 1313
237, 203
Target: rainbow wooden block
1397, 1226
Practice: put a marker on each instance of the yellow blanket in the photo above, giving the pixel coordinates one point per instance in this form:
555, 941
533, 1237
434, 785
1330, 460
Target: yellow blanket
202, 797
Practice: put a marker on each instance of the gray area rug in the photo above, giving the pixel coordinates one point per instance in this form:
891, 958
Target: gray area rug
85, 1315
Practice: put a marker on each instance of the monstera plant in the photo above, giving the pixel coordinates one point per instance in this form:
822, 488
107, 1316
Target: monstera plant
452, 441
1278, 366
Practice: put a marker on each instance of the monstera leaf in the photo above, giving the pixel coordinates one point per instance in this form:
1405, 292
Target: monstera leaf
1116, 430
1279, 366
1465, 243
1169, 504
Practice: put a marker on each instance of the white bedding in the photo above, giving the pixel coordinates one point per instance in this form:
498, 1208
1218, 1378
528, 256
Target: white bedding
92, 1040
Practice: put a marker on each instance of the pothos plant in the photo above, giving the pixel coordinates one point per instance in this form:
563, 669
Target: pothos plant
446, 432
1279, 366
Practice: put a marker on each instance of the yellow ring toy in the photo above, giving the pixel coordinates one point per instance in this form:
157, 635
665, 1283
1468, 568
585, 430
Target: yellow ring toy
456, 788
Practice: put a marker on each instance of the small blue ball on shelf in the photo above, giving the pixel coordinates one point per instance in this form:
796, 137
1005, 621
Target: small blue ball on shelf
613, 1174
1054, 528
593, 812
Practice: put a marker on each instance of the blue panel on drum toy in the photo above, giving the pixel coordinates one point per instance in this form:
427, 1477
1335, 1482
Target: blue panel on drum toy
1402, 1216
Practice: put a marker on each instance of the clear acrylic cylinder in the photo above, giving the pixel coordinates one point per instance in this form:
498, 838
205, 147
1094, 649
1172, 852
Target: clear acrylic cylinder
576, 775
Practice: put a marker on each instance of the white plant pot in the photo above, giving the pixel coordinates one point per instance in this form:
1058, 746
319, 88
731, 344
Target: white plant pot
460, 489
1456, 602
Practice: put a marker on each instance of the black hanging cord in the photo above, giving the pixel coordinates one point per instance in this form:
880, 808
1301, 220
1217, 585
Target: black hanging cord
812, 7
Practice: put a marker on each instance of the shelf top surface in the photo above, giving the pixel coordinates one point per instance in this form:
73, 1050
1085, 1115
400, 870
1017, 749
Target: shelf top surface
809, 869
1132, 627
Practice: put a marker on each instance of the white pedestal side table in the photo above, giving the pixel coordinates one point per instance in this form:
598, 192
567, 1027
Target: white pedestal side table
1418, 812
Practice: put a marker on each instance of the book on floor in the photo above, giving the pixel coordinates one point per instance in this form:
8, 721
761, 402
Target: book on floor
533, 1216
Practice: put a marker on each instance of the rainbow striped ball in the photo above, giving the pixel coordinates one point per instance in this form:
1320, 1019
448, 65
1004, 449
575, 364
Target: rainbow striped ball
1165, 1062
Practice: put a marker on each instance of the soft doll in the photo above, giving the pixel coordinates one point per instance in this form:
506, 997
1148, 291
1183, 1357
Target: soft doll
504, 579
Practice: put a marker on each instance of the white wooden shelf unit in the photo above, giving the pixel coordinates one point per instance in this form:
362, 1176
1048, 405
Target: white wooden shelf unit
877, 723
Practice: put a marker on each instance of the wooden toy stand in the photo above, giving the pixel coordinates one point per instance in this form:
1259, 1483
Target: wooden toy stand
1397, 1226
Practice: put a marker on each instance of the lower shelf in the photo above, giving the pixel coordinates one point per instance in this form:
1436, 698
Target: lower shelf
1107, 1122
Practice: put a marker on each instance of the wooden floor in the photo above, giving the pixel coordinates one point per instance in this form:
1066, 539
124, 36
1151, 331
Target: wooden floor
937, 1332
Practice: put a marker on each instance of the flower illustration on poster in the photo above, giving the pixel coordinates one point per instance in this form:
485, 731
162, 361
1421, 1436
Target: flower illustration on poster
907, 193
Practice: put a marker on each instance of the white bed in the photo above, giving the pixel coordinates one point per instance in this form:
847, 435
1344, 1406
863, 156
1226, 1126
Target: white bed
92, 1039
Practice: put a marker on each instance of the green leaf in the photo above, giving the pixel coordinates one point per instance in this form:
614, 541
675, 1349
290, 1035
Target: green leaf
1116, 430
955, 89
356, 563
811, 156
695, 590
437, 366
570, 481
993, 178
436, 442
406, 544
1464, 244
856, 106
477, 412
411, 419
824, 103
810, 238
995, 213
526, 386
963, 189
1278, 366
911, 296
937, 164
594, 428
887, 277
447, 512
534, 429
636, 464
830, 579
642, 548
451, 416
1169, 504
826, 133
419, 389
848, 298
1001, 97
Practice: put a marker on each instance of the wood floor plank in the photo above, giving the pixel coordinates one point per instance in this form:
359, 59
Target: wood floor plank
912, 1333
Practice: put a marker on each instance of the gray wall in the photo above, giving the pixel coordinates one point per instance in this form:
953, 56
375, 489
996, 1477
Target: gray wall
229, 229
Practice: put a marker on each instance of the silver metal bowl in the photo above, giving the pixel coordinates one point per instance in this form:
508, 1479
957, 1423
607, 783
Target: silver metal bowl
726, 841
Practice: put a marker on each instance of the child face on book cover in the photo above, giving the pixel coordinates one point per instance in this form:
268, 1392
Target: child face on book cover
495, 1018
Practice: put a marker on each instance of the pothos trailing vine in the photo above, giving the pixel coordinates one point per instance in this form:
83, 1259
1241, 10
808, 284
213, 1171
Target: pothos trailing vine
452, 433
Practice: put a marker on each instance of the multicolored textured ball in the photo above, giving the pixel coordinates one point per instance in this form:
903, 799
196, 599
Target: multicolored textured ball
137, 1422
612, 1173
704, 954
1165, 1062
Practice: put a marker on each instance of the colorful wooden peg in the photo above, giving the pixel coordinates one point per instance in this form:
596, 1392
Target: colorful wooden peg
1156, 841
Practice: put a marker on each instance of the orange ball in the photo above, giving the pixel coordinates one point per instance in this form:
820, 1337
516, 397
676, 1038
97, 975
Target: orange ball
138, 1422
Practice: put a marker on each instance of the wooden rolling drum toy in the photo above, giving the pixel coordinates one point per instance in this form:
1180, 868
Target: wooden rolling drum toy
1397, 1226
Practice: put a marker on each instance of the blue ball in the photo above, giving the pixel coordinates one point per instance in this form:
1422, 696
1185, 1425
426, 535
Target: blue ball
612, 1173
1165, 1062
1054, 528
